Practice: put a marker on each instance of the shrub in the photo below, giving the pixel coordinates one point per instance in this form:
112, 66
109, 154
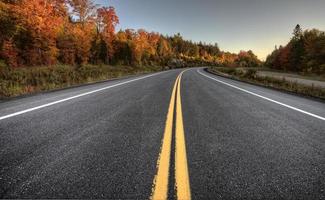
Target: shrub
19, 81
250, 73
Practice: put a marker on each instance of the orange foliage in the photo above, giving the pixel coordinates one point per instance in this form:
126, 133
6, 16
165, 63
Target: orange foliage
83, 9
44, 32
83, 34
145, 45
106, 23
42, 20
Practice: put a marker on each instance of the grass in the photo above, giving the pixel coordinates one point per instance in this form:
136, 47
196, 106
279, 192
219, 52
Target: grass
250, 76
309, 76
20, 81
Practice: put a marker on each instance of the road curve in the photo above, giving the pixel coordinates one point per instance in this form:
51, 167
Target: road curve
105, 141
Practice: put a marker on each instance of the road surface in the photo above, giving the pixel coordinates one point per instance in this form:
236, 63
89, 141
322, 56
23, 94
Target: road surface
141, 137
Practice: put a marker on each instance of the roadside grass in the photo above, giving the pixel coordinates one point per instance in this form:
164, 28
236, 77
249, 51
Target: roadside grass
305, 75
20, 81
250, 75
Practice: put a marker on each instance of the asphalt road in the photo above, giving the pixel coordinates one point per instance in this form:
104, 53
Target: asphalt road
111, 140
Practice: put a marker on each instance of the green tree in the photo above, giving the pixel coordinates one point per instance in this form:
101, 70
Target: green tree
297, 50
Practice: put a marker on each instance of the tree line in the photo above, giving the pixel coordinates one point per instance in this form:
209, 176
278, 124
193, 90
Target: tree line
304, 53
77, 32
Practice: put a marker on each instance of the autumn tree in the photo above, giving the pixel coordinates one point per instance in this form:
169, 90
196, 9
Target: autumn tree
284, 57
7, 24
8, 51
106, 23
76, 32
304, 53
247, 59
67, 43
164, 49
84, 10
123, 47
314, 58
40, 22
83, 28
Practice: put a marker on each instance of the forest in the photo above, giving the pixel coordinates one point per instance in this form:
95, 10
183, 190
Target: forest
305, 53
77, 33
50, 44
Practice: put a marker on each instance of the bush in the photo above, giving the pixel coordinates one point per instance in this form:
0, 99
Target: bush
2, 64
231, 71
250, 73
20, 81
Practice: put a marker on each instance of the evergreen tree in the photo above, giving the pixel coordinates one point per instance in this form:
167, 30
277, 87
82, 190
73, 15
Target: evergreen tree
297, 52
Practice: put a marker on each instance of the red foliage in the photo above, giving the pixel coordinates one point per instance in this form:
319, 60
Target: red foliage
42, 19
9, 53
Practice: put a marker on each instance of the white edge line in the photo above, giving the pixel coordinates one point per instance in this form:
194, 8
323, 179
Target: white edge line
74, 97
268, 99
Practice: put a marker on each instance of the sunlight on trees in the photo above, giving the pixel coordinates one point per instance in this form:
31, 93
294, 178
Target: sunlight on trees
76, 32
304, 53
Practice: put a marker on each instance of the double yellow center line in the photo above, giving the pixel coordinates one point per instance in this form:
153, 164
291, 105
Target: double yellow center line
182, 183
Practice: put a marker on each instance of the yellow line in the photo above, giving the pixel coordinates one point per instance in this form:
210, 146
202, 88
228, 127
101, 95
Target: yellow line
160, 185
182, 182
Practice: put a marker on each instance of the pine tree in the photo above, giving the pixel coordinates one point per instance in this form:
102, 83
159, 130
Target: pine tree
297, 32
297, 52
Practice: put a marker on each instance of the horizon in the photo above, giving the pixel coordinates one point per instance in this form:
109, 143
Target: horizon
221, 21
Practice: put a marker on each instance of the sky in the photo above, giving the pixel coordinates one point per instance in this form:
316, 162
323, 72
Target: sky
235, 25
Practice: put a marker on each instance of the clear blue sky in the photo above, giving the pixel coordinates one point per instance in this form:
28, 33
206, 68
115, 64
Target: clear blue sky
235, 25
